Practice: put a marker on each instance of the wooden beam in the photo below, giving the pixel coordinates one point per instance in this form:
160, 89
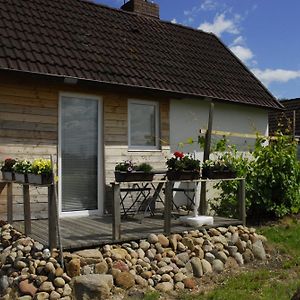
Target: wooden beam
27, 212
203, 203
242, 200
2, 186
116, 226
52, 228
168, 207
9, 203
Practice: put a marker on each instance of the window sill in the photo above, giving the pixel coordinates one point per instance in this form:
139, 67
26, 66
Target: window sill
144, 150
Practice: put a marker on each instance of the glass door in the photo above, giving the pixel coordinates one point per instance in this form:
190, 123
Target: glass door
79, 148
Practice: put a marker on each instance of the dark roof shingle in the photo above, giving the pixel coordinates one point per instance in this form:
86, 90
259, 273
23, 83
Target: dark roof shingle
93, 42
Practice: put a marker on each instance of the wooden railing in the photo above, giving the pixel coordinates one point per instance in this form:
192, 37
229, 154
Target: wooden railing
52, 214
168, 203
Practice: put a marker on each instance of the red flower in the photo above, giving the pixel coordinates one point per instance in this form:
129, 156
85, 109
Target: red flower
178, 154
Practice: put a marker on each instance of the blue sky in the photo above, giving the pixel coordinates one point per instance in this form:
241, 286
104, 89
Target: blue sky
264, 34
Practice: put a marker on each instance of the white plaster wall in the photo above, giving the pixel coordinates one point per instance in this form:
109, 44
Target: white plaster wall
187, 116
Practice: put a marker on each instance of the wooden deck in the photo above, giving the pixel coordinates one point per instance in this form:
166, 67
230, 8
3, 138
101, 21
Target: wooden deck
92, 231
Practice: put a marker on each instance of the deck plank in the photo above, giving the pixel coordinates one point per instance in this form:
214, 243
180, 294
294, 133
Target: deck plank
93, 231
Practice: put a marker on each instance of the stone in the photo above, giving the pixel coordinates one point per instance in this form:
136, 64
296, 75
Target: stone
209, 257
93, 286
19, 264
223, 230
67, 291
101, 267
219, 239
26, 297
248, 256
259, 250
119, 254
232, 250
165, 287
141, 253
189, 283
173, 241
234, 237
141, 281
179, 286
59, 271
219, 246
125, 280
151, 254
38, 246
241, 246
179, 277
152, 238
46, 286
4, 284
197, 267
165, 269
144, 245
239, 258
166, 278
27, 288
120, 265
221, 256
49, 267
214, 232
184, 257
181, 247
90, 253
146, 274
188, 242
73, 267
206, 266
41, 296
54, 295
231, 263
163, 240
217, 266
59, 282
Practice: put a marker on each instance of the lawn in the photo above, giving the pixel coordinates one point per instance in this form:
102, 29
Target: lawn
277, 280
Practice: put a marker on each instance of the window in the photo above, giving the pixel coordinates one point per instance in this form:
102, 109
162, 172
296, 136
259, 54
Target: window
143, 128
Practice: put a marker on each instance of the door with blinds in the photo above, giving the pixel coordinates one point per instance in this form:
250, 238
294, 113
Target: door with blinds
80, 165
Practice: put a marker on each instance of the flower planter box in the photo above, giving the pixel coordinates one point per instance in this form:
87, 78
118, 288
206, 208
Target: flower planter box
21, 178
39, 178
8, 176
183, 175
133, 176
217, 174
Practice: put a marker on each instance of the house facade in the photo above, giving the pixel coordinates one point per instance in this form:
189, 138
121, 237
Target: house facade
94, 86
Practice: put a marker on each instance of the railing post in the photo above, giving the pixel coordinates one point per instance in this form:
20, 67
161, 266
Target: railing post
52, 229
116, 226
242, 200
9, 203
168, 207
27, 213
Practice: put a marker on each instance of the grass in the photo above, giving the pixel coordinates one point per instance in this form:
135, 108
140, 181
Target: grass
274, 281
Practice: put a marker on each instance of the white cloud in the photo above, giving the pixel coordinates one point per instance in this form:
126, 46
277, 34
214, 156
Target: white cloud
268, 76
243, 53
221, 25
174, 21
208, 5
238, 41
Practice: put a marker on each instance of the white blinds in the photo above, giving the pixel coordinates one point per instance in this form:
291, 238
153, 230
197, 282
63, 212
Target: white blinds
79, 154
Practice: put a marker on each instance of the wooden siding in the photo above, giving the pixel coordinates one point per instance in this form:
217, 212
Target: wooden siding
29, 126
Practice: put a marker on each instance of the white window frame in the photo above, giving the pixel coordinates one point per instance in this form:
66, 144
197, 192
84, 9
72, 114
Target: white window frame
157, 127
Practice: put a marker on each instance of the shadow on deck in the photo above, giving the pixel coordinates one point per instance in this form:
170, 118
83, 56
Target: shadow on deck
93, 231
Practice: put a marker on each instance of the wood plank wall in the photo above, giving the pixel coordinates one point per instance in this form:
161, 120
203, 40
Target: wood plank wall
29, 124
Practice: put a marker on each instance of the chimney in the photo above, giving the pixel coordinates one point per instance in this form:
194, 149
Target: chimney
143, 7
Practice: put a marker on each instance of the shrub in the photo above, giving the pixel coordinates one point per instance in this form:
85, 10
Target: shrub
41, 166
22, 166
128, 166
181, 162
8, 164
272, 180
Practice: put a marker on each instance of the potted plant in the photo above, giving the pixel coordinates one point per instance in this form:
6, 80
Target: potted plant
40, 172
183, 167
126, 171
7, 169
218, 169
21, 169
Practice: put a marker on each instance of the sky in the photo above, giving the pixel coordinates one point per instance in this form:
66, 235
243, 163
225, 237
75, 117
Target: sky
264, 34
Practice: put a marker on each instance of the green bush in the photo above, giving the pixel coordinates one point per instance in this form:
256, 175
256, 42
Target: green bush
272, 180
